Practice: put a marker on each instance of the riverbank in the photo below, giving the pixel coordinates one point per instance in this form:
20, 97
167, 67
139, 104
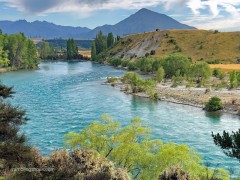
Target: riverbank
193, 96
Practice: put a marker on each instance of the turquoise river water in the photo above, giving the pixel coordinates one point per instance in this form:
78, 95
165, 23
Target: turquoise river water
62, 97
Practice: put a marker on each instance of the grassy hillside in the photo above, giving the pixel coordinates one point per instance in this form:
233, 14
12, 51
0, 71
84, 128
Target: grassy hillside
212, 46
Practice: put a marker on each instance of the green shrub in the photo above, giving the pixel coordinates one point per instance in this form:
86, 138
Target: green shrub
111, 79
125, 63
214, 104
160, 74
132, 66
116, 62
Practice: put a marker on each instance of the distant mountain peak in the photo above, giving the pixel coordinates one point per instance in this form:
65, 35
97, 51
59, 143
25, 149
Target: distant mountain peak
143, 20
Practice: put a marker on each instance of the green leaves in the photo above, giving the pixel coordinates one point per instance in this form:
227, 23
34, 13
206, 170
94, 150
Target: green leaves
129, 147
214, 104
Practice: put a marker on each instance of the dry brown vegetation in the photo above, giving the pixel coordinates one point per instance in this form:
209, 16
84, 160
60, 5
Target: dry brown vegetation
85, 53
226, 67
197, 44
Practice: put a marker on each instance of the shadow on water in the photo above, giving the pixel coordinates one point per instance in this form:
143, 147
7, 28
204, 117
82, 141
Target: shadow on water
138, 102
215, 117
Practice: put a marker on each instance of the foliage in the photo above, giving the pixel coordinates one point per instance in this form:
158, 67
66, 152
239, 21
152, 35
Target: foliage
93, 52
137, 84
125, 63
174, 173
132, 66
110, 40
174, 63
214, 104
200, 71
101, 43
129, 147
145, 64
115, 62
17, 51
4, 61
111, 79
13, 150
76, 164
44, 50
230, 143
218, 73
160, 74
72, 49
233, 79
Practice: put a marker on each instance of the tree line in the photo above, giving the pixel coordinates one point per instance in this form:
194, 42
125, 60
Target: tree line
101, 44
17, 51
48, 52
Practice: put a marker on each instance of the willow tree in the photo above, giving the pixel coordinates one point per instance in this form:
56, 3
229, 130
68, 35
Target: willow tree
130, 147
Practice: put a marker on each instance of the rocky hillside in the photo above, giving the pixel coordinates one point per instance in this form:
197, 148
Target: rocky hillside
212, 46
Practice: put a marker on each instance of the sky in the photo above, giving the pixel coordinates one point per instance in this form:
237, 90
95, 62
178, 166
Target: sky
223, 15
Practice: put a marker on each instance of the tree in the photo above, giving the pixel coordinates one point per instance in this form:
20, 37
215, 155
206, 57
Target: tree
13, 150
160, 74
21, 51
174, 63
44, 50
214, 104
129, 147
230, 143
101, 43
233, 79
72, 49
200, 71
110, 40
93, 52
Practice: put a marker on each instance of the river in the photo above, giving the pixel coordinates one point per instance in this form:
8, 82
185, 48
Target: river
62, 97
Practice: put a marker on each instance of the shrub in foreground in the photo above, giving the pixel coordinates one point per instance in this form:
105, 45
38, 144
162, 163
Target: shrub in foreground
77, 164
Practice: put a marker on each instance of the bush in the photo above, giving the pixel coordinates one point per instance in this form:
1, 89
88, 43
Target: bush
174, 173
125, 63
132, 66
214, 104
77, 164
116, 62
111, 79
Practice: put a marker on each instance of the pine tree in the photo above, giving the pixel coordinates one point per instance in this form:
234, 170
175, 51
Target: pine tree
13, 150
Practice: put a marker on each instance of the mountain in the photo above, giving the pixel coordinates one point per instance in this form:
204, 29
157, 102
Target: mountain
142, 21
42, 29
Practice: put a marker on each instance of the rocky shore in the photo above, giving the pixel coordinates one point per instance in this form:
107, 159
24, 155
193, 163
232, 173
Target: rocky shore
193, 96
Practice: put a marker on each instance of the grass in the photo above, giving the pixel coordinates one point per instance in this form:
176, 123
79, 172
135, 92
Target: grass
198, 44
226, 67
85, 53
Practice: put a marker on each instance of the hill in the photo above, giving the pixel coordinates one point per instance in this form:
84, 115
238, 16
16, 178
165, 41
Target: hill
142, 21
212, 46
41, 29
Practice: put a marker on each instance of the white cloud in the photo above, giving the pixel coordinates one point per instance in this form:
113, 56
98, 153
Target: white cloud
205, 13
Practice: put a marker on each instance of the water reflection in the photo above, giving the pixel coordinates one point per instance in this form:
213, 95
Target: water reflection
214, 117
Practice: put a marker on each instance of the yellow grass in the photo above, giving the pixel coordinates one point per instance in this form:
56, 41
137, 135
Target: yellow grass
200, 45
85, 53
226, 67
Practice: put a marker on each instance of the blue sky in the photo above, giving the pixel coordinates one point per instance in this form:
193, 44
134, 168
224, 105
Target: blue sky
204, 14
